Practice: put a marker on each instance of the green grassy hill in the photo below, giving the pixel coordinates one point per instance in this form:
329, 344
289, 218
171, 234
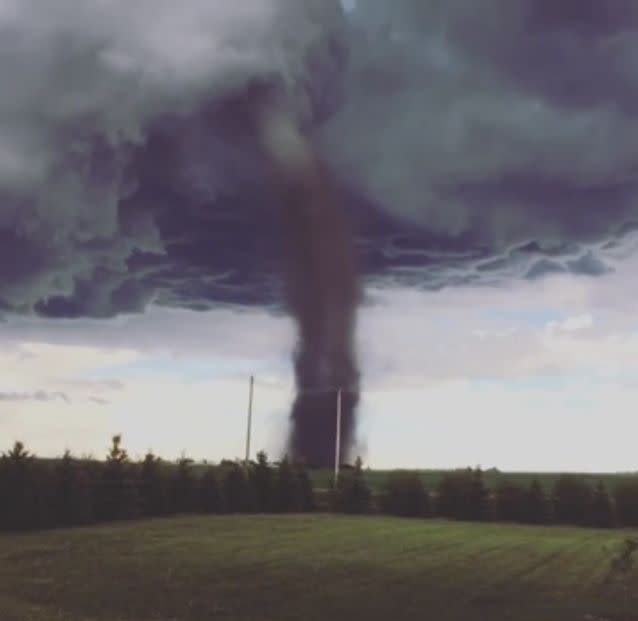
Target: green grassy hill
311, 568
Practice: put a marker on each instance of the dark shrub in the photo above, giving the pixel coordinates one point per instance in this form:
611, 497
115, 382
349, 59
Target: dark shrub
510, 502
626, 499
352, 494
72, 499
183, 494
211, 499
153, 486
237, 489
305, 489
262, 479
537, 505
601, 510
287, 491
117, 496
405, 495
572, 497
22, 485
462, 495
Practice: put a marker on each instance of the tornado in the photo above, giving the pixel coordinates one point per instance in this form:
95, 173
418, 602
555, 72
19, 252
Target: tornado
322, 292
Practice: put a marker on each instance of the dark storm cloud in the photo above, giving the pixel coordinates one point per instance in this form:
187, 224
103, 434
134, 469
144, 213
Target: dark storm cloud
473, 142
128, 171
493, 125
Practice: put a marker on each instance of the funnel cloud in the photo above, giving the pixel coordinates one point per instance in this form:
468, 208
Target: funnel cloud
322, 293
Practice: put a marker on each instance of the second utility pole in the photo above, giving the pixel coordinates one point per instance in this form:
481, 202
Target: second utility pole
338, 438
250, 420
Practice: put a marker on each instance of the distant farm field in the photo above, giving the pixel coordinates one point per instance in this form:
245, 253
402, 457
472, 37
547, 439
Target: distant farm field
323, 568
431, 478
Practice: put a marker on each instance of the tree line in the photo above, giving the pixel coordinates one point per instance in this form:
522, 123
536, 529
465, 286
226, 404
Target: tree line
463, 495
38, 494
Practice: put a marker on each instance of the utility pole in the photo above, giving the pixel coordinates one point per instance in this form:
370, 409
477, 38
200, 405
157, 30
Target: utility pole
338, 438
250, 420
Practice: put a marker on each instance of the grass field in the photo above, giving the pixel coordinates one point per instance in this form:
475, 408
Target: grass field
307, 568
431, 478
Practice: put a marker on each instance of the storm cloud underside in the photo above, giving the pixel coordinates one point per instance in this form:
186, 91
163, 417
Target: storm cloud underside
469, 146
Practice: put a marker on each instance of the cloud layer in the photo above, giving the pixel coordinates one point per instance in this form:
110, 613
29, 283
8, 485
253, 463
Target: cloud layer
38, 395
505, 130
472, 144
124, 153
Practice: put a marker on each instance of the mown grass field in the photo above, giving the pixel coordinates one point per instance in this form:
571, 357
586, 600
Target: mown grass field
431, 478
305, 568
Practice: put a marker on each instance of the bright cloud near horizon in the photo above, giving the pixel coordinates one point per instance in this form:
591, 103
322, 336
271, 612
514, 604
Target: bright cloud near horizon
538, 376
483, 156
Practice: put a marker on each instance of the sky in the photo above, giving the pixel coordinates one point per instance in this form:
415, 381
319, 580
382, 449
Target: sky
485, 159
537, 376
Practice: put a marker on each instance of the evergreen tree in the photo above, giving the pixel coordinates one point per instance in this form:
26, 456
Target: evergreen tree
19, 490
405, 495
305, 489
184, 487
72, 501
352, 494
626, 500
511, 502
572, 498
154, 486
537, 506
211, 499
462, 495
601, 510
261, 476
117, 494
237, 489
287, 492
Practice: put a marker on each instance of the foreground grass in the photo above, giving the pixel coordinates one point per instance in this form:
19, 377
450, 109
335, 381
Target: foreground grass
326, 568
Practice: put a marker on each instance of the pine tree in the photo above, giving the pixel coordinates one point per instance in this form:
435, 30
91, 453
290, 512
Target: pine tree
462, 495
537, 507
19, 490
478, 498
404, 495
572, 498
72, 502
510, 502
117, 496
184, 497
237, 489
626, 500
211, 499
261, 476
305, 489
154, 486
352, 494
287, 492
601, 510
